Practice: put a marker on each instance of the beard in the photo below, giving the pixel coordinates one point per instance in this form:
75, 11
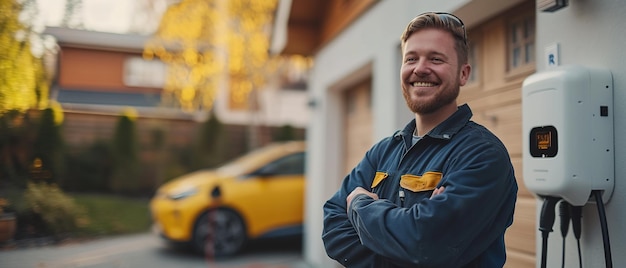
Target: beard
441, 98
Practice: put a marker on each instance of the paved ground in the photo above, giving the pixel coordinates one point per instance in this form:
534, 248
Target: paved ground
146, 250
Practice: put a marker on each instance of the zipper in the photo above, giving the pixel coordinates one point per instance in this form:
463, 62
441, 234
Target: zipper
401, 194
406, 150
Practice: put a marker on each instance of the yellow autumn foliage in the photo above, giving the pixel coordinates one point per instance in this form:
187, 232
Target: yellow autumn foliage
206, 42
23, 83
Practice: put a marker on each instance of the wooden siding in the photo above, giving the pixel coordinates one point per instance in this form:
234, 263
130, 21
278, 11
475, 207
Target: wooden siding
340, 14
358, 123
313, 23
495, 99
82, 128
89, 69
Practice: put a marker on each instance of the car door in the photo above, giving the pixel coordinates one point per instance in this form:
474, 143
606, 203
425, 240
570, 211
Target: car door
279, 195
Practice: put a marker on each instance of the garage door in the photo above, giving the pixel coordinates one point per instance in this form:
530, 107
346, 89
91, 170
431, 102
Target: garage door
358, 122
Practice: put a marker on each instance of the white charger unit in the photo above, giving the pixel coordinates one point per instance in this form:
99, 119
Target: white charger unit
567, 136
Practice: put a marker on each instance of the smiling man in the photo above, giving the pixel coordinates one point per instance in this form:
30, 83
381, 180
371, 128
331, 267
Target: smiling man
439, 193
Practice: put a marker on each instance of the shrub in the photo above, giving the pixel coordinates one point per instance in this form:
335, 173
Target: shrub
58, 212
210, 143
48, 149
17, 131
4, 203
91, 169
284, 133
125, 152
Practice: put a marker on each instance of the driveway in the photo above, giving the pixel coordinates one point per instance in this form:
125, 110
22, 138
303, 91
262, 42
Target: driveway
147, 250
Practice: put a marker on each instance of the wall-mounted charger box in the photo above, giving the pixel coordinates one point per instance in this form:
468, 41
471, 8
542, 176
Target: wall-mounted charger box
568, 133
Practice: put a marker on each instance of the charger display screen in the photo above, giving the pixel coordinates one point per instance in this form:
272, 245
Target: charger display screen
544, 141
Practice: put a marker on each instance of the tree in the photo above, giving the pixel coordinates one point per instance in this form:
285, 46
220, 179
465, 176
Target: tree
285, 133
23, 83
213, 46
72, 16
211, 143
208, 42
48, 151
16, 138
125, 152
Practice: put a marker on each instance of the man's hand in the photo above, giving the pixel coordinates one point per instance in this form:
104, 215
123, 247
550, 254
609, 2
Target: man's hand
357, 191
437, 192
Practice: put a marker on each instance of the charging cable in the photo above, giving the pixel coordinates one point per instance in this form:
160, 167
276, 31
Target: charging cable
564, 214
576, 215
568, 212
546, 221
605, 229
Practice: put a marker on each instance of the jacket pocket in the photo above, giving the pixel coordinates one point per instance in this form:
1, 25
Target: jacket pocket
380, 176
427, 182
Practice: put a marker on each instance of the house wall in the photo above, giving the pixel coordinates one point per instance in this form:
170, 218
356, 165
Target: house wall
277, 107
495, 99
83, 128
90, 69
590, 33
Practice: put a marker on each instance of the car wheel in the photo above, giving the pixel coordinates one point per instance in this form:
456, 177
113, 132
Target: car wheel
218, 233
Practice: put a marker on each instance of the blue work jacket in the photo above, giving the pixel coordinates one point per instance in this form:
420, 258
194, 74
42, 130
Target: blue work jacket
462, 227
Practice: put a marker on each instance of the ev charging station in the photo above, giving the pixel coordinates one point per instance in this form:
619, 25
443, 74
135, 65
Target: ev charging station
568, 147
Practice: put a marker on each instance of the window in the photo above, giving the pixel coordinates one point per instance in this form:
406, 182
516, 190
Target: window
521, 42
144, 73
473, 57
289, 165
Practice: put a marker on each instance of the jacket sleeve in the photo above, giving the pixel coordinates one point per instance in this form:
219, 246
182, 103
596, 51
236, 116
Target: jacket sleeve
339, 236
451, 229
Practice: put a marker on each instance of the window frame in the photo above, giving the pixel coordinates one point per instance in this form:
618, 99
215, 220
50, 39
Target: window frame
474, 60
521, 40
139, 72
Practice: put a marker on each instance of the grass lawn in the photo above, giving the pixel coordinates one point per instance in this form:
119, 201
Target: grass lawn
112, 215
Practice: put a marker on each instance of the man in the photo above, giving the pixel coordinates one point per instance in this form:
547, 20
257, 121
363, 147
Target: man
442, 191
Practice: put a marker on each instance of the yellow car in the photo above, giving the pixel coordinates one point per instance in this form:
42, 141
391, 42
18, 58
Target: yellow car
259, 195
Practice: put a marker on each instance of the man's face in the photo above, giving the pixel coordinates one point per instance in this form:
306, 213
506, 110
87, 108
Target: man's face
431, 75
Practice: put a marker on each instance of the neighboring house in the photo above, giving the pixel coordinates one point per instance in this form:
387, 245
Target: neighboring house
99, 75
356, 100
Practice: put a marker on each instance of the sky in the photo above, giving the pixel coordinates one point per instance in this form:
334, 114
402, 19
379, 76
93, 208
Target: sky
98, 15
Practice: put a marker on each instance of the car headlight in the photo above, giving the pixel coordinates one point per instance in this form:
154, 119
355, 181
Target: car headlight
182, 193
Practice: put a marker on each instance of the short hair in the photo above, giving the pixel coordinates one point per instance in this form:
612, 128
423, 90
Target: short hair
444, 21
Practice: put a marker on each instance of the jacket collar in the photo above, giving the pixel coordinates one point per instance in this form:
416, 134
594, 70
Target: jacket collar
443, 131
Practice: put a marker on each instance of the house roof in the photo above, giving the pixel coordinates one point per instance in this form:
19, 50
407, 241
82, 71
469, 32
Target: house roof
148, 105
298, 26
102, 40
302, 27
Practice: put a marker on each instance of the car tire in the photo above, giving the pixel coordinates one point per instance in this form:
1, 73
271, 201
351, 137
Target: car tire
219, 233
